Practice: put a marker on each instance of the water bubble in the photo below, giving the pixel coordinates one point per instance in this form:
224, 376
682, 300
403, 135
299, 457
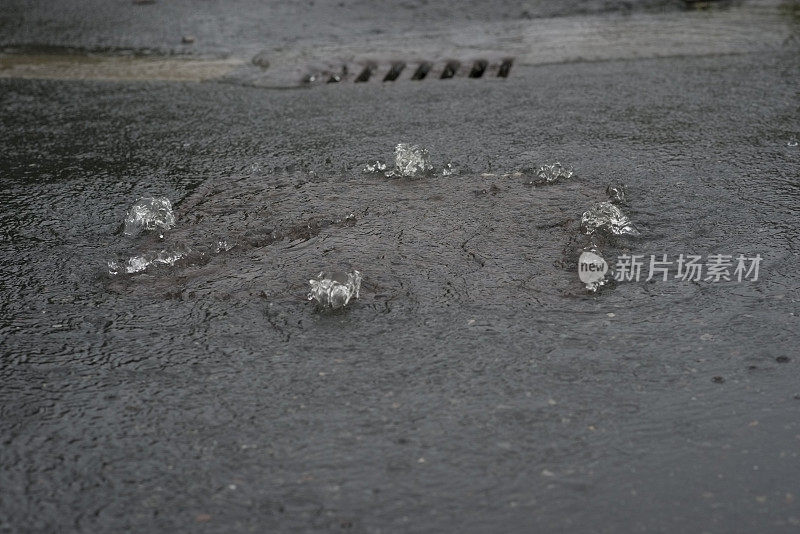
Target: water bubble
606, 217
334, 290
616, 193
410, 161
149, 213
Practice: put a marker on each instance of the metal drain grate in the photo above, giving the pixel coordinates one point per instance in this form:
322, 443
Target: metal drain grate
371, 71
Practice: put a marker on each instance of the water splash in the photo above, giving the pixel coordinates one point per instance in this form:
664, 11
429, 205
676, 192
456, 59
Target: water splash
616, 193
410, 161
451, 169
140, 262
378, 166
147, 214
553, 173
608, 218
223, 245
333, 290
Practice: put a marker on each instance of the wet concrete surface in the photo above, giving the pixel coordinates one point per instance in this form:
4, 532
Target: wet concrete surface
247, 26
475, 385
110, 43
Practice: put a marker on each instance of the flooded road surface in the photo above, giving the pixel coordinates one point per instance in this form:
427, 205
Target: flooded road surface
474, 384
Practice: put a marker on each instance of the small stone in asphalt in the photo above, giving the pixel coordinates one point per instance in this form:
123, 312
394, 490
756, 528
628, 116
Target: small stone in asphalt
783, 359
718, 380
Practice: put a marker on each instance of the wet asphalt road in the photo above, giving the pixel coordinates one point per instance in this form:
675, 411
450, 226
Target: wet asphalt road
248, 26
475, 386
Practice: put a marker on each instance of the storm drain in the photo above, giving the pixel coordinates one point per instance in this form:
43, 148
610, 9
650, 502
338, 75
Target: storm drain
415, 71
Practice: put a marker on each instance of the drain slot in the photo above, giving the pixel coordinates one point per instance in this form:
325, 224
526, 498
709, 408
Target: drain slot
369, 70
478, 68
450, 69
394, 72
421, 71
505, 68
366, 73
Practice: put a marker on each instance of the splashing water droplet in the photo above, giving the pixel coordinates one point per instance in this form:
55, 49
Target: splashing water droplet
451, 169
616, 193
378, 166
333, 290
223, 245
140, 262
149, 213
410, 161
606, 217
554, 172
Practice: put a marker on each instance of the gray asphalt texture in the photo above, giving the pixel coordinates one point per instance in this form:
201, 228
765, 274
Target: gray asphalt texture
475, 386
